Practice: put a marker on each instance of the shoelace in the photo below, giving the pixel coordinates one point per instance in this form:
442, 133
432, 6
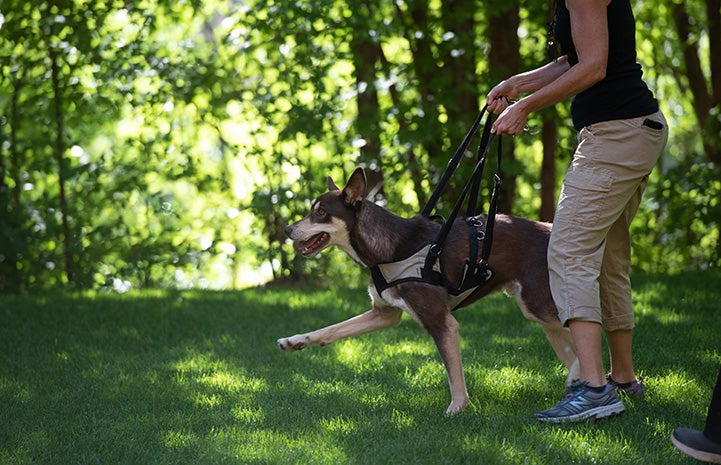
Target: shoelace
574, 389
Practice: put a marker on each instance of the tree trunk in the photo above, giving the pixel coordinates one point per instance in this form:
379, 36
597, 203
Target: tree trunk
62, 171
504, 61
418, 33
366, 54
10, 236
707, 105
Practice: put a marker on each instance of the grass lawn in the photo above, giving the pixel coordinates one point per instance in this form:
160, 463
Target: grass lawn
196, 378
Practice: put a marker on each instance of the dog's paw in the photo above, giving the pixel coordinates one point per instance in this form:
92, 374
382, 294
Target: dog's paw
293, 343
457, 407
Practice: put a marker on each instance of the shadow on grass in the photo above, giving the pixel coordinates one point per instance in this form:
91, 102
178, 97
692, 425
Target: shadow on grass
196, 377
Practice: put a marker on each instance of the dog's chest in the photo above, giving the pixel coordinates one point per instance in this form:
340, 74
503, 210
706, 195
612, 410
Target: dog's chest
391, 298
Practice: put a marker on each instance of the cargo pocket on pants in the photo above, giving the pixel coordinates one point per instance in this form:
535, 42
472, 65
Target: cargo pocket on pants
584, 194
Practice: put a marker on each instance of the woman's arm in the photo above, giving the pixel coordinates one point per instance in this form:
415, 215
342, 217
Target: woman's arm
589, 28
529, 81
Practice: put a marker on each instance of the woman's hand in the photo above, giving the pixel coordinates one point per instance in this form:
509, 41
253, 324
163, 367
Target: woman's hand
500, 96
512, 120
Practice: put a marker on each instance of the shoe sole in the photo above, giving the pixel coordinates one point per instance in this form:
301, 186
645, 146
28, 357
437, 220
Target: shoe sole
595, 413
709, 457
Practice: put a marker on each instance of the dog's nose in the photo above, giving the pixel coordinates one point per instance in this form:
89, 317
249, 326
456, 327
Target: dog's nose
288, 230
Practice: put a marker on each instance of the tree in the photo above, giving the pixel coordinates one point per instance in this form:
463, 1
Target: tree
162, 143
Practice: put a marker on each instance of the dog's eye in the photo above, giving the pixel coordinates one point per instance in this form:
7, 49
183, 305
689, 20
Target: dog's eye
320, 211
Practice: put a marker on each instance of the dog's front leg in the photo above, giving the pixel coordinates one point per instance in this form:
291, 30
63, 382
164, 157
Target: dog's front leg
372, 320
447, 339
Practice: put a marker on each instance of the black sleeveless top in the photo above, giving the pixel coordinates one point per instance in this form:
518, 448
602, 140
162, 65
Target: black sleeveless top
622, 94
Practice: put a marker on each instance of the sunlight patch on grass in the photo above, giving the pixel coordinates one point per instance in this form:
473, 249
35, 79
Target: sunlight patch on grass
506, 383
427, 374
318, 388
513, 452
669, 316
403, 420
651, 293
269, 446
32, 441
420, 347
196, 362
676, 386
248, 415
227, 381
659, 427
340, 425
375, 399
360, 356
213, 382
592, 442
207, 400
179, 440
295, 301
351, 352
131, 333
485, 448
712, 357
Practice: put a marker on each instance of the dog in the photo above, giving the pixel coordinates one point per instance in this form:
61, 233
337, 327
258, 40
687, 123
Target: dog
371, 235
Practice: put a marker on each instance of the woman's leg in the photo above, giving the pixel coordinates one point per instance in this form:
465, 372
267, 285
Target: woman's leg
615, 290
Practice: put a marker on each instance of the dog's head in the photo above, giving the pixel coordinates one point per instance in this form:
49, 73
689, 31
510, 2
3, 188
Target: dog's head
331, 217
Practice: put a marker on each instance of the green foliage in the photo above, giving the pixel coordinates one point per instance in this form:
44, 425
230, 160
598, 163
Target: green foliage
156, 143
681, 206
196, 378
145, 168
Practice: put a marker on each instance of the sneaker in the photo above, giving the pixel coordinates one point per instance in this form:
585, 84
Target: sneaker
635, 389
695, 444
581, 403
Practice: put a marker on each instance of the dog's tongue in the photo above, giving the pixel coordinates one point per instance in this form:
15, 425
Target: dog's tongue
312, 245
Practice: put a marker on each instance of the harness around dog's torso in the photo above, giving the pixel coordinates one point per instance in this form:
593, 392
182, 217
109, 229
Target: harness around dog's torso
424, 264
420, 266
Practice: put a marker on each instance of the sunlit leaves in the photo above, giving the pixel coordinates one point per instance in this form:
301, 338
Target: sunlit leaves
194, 131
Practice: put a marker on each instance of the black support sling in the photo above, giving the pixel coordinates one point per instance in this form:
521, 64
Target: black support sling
423, 265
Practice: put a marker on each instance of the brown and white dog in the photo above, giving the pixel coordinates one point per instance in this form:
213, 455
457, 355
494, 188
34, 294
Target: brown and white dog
371, 235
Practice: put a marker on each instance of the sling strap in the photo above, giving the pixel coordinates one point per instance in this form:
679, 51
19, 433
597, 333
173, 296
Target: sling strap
423, 263
474, 272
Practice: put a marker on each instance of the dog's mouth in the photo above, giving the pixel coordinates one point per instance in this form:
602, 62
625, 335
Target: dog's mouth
314, 245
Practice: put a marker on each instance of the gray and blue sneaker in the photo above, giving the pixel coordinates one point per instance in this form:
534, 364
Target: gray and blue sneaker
581, 402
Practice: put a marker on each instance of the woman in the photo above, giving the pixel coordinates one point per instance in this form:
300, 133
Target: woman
621, 136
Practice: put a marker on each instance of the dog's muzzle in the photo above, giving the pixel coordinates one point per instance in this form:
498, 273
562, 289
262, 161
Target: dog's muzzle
313, 245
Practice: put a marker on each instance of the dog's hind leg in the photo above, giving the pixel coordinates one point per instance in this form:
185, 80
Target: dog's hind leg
562, 343
372, 320
537, 305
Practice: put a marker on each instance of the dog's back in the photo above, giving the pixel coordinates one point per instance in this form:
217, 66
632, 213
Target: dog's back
517, 260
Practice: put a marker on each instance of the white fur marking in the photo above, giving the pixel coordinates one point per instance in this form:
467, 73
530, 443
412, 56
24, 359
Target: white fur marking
391, 298
514, 289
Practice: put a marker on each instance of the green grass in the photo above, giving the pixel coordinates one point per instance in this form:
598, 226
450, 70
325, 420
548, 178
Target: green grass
196, 378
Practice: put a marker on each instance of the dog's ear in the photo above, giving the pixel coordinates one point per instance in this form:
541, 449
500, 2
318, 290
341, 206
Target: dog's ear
331, 185
355, 189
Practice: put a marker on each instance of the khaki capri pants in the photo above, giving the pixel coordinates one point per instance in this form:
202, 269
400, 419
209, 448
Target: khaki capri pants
589, 253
